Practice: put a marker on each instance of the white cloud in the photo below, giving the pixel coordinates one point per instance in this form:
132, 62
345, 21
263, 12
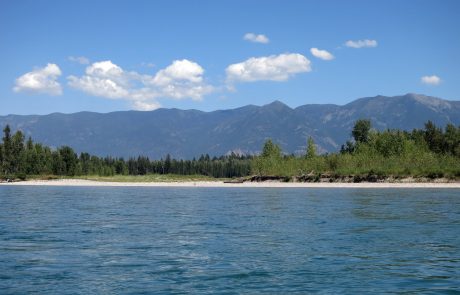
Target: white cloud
321, 54
274, 68
256, 38
79, 59
105, 69
431, 80
41, 80
361, 43
103, 79
179, 70
99, 87
182, 79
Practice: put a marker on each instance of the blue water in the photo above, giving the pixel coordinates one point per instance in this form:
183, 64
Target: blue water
91, 240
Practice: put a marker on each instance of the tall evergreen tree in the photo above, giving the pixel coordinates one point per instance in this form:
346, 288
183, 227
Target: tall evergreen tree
271, 150
167, 164
311, 148
1, 159
31, 158
434, 137
69, 160
452, 139
6, 163
17, 152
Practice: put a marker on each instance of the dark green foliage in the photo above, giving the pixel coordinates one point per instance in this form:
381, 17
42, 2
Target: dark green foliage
1, 158
311, 148
69, 161
389, 143
7, 151
434, 137
361, 130
348, 147
222, 167
442, 142
271, 150
19, 160
452, 140
267, 163
167, 165
17, 152
431, 152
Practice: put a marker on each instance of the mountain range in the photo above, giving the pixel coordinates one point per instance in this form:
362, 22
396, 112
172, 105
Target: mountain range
190, 133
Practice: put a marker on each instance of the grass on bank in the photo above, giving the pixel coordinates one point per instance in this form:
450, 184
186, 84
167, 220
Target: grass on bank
131, 178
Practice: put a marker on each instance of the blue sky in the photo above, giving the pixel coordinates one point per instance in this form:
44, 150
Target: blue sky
69, 56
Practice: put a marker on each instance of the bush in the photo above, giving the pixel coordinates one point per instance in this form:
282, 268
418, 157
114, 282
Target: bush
21, 176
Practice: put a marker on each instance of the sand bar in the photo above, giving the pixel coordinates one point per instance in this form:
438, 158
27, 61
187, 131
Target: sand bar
82, 182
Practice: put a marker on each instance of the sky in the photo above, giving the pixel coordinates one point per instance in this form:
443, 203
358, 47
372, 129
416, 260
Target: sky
105, 56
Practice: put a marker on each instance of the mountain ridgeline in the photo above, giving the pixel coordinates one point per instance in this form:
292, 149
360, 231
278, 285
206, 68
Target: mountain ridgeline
191, 133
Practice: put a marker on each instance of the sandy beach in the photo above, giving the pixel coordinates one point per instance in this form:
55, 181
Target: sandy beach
82, 182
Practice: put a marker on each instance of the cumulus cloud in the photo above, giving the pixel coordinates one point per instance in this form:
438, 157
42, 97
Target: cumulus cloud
182, 79
179, 70
431, 80
256, 38
274, 68
361, 43
79, 59
104, 79
40, 80
321, 54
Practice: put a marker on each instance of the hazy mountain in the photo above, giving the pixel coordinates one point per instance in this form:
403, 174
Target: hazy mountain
189, 133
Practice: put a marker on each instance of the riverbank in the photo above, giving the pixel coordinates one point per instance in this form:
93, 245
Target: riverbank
264, 184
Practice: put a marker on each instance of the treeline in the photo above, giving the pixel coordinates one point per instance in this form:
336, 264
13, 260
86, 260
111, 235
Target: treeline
20, 158
218, 167
430, 152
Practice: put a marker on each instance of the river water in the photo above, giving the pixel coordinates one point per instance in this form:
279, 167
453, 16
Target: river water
114, 240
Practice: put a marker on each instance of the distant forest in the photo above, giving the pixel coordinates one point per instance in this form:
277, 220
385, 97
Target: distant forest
430, 152
20, 158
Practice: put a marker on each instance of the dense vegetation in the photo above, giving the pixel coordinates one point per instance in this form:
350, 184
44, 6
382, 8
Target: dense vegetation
430, 152
19, 159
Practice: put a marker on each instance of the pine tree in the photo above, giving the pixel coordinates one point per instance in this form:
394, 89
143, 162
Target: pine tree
311, 148
167, 164
271, 150
433, 137
17, 152
1, 159
6, 161
31, 159
69, 160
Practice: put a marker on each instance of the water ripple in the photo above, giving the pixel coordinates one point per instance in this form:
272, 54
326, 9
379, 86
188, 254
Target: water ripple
60, 240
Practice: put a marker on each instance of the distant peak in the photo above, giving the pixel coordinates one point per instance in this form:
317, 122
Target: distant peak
277, 104
415, 95
429, 101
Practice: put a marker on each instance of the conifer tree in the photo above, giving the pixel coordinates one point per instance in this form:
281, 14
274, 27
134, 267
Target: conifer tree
6, 161
271, 150
311, 148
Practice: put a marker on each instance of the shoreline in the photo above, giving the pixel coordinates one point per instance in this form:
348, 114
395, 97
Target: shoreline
221, 184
